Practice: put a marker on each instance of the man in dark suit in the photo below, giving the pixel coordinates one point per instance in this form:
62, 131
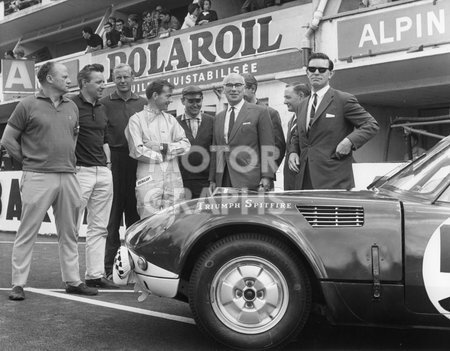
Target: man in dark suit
243, 140
194, 165
251, 85
330, 125
293, 95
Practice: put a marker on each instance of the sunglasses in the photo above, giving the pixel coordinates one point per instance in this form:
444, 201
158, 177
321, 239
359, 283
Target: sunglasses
191, 101
234, 85
320, 69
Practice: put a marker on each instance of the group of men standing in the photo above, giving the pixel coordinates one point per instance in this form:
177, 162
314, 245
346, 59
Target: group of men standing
123, 154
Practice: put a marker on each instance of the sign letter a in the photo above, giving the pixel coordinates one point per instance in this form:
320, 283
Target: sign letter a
18, 74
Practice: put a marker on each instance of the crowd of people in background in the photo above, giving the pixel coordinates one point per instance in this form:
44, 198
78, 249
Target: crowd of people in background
160, 21
12, 6
147, 25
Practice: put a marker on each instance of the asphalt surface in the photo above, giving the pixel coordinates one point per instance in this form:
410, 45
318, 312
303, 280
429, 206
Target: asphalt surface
50, 319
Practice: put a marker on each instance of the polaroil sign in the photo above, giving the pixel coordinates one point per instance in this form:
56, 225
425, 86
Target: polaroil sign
247, 38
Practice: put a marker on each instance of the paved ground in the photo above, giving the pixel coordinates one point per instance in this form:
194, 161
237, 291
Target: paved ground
50, 319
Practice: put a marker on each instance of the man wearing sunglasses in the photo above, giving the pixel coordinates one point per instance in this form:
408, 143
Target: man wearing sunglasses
330, 125
244, 155
194, 166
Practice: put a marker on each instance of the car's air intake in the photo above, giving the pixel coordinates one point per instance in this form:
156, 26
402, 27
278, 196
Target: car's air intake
333, 216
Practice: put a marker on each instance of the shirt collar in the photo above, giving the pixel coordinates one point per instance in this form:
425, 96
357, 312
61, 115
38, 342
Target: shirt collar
82, 98
321, 92
40, 94
237, 107
115, 96
186, 117
154, 114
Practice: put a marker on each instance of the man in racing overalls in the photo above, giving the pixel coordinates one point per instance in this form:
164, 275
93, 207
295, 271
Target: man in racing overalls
155, 139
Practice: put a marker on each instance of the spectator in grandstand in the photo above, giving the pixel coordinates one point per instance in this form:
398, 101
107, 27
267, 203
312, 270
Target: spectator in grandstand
331, 124
112, 20
150, 24
206, 15
168, 23
42, 132
19, 53
93, 41
198, 126
155, 139
94, 171
293, 94
120, 106
251, 85
9, 55
243, 140
134, 32
111, 36
120, 27
191, 17
17, 5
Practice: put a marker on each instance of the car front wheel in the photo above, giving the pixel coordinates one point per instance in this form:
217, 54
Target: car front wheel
249, 291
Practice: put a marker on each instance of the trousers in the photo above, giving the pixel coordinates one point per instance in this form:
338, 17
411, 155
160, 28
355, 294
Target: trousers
124, 202
39, 191
96, 197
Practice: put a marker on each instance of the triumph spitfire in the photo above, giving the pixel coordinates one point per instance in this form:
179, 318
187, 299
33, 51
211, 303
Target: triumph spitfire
252, 265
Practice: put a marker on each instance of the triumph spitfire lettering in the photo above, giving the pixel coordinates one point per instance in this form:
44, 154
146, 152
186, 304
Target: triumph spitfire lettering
202, 48
242, 203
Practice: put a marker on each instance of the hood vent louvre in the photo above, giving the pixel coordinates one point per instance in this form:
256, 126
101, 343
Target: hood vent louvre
333, 216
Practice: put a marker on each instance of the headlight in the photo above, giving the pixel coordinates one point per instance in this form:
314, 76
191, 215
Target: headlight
146, 230
142, 263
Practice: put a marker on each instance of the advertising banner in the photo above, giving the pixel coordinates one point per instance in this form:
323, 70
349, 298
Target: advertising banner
191, 57
11, 207
424, 23
18, 76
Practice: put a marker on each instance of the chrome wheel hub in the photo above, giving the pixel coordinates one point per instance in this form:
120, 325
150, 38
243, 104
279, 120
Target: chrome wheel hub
249, 295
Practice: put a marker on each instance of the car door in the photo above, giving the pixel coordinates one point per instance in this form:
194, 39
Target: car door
427, 256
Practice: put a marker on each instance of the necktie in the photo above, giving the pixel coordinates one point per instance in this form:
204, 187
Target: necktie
293, 123
231, 122
193, 124
313, 111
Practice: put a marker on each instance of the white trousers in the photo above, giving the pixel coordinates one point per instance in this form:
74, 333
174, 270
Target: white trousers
96, 197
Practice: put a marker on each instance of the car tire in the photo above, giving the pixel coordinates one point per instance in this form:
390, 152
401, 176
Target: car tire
250, 291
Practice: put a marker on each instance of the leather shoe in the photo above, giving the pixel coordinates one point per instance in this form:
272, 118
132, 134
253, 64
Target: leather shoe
101, 283
17, 294
81, 289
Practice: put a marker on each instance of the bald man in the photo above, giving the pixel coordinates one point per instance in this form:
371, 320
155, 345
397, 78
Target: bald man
244, 155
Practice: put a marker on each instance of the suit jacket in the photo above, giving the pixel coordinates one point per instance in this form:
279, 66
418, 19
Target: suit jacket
199, 160
291, 179
247, 153
338, 116
278, 134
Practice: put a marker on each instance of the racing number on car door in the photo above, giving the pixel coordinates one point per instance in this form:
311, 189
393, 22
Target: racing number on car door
436, 269
445, 260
